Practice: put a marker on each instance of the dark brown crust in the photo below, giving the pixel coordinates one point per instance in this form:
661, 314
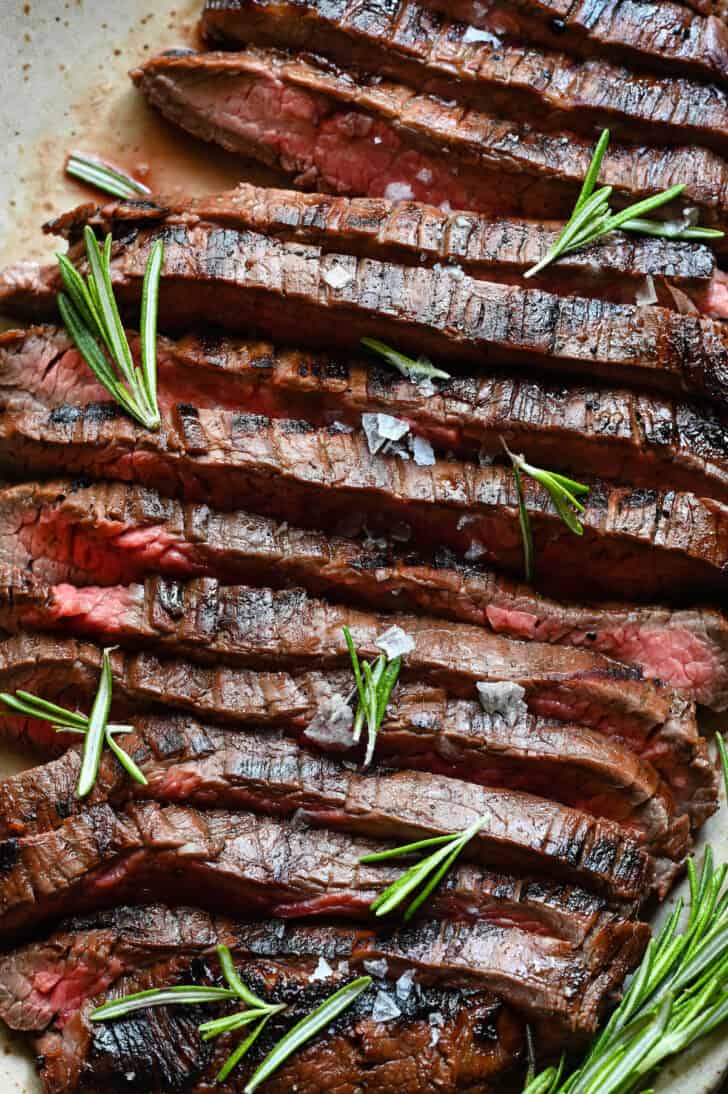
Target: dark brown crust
404, 41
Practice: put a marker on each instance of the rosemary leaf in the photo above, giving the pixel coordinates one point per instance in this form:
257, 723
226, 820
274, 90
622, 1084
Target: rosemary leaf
406, 849
231, 975
305, 1030
395, 893
591, 218
125, 759
187, 995
218, 1026
526, 531
96, 173
94, 741
406, 365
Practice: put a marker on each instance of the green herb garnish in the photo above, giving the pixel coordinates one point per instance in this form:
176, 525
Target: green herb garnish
330, 1009
258, 1012
430, 871
592, 217
409, 368
94, 727
374, 685
562, 491
90, 312
96, 173
678, 994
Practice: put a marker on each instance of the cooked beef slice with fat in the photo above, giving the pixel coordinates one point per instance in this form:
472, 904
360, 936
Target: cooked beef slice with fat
48, 990
639, 439
405, 41
423, 728
637, 543
296, 293
347, 132
662, 36
111, 534
685, 275
249, 864
186, 761
266, 629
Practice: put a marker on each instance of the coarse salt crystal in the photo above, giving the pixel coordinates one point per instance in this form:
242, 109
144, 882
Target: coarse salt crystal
380, 428
423, 452
338, 276
403, 986
425, 175
398, 191
322, 971
377, 967
395, 642
385, 1008
475, 34
646, 295
503, 698
475, 551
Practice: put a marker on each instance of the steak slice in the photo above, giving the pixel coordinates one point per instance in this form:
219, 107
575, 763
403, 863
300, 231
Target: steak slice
477, 1039
637, 543
423, 727
110, 534
657, 37
193, 764
242, 280
415, 234
402, 40
639, 439
260, 628
348, 132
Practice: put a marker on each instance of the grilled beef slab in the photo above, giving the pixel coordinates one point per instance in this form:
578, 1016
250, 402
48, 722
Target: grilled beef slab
405, 41
423, 727
187, 761
638, 439
49, 988
637, 543
296, 293
654, 36
345, 132
685, 274
266, 629
110, 534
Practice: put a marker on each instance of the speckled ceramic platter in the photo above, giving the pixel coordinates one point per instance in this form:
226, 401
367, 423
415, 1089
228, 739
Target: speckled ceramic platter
64, 86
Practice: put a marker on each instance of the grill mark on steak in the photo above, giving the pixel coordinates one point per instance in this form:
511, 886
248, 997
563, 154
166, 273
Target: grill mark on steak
258, 865
653, 36
318, 124
635, 438
244, 281
402, 40
422, 235
188, 762
133, 950
262, 628
637, 543
112, 534
423, 726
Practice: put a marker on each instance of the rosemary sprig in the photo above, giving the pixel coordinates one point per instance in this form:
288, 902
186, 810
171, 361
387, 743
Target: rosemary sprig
429, 872
563, 492
374, 684
95, 728
409, 368
593, 218
258, 1012
90, 312
678, 994
307, 1028
103, 176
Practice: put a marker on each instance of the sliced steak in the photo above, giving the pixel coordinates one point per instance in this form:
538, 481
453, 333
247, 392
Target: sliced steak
294, 292
272, 774
476, 1039
637, 543
654, 36
260, 628
638, 439
405, 41
348, 132
112, 534
251, 864
414, 234
188, 762
423, 727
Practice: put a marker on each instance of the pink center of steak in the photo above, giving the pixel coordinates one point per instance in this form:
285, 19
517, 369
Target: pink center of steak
66, 991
